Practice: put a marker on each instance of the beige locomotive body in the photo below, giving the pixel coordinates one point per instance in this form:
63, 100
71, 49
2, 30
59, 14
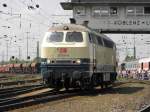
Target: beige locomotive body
76, 56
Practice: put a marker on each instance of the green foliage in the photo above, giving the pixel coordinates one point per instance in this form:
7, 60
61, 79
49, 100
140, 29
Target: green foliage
37, 60
129, 58
123, 66
16, 60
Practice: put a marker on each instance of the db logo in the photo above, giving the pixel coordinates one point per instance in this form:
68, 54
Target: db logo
62, 50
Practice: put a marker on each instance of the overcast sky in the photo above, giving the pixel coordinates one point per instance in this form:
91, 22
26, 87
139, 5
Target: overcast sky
18, 18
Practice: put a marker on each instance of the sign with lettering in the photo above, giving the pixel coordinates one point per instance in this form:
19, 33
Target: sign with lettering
62, 52
121, 25
131, 22
130, 19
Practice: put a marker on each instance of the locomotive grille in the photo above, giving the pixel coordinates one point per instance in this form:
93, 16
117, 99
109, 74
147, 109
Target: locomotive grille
63, 61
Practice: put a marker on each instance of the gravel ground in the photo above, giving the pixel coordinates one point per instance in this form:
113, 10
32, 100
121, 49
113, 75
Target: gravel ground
17, 77
4, 78
128, 97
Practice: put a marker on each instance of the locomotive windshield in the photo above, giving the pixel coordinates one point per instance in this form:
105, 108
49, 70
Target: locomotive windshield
55, 37
74, 37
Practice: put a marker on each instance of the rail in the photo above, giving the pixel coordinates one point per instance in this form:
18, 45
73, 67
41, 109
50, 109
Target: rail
146, 109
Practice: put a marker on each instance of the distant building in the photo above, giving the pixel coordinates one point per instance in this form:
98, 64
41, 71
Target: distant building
112, 16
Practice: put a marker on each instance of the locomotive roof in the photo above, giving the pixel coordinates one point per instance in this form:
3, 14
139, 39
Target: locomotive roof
144, 60
72, 27
77, 28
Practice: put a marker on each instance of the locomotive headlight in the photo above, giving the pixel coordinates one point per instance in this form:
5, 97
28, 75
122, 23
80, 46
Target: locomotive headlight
78, 61
48, 61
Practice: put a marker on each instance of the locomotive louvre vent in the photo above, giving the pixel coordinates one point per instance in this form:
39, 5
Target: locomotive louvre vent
66, 28
72, 21
63, 61
85, 23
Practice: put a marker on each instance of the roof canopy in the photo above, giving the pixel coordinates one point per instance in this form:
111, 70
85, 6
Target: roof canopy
69, 5
111, 1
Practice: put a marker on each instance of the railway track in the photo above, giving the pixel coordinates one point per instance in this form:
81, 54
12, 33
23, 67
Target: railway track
146, 109
29, 100
18, 101
10, 83
32, 96
8, 94
9, 89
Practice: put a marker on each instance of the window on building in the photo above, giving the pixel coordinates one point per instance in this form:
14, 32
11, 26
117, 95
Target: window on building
80, 11
113, 10
96, 11
130, 10
104, 11
146, 10
139, 10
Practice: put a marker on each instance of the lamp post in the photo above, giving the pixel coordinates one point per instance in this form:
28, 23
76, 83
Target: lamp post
27, 43
7, 50
134, 48
19, 49
147, 43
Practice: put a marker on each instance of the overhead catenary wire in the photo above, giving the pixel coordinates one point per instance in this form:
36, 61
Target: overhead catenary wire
33, 20
8, 13
26, 5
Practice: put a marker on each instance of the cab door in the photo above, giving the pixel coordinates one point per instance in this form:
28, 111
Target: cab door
93, 46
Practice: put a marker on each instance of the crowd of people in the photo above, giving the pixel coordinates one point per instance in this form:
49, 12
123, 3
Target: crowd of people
135, 74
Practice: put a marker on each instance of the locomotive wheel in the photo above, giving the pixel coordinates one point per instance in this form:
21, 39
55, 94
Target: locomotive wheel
106, 85
67, 83
85, 86
57, 88
102, 86
82, 86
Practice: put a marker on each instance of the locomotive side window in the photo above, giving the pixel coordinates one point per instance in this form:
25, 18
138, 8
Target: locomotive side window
55, 37
74, 37
108, 43
99, 39
92, 38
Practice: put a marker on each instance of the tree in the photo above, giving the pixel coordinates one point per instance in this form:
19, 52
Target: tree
129, 58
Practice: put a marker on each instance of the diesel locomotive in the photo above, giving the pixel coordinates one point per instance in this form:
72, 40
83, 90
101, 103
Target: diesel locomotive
75, 56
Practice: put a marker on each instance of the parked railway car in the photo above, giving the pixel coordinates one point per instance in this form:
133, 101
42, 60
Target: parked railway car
144, 64
27, 68
21, 68
35, 67
17, 68
2, 69
140, 64
76, 56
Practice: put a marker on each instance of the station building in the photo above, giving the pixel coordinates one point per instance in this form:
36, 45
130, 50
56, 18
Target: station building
112, 16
